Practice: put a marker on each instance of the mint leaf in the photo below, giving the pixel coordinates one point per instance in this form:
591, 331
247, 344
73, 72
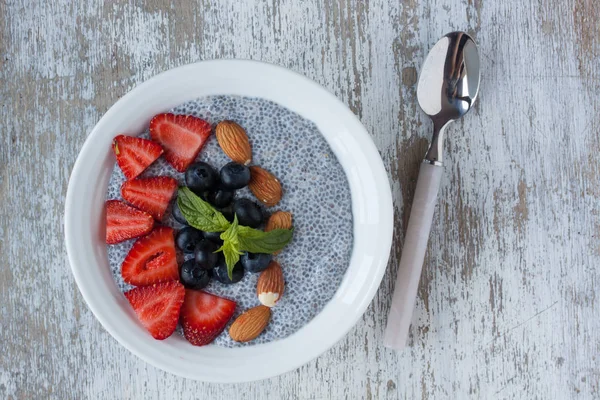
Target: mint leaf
230, 246
230, 234
255, 241
200, 214
232, 256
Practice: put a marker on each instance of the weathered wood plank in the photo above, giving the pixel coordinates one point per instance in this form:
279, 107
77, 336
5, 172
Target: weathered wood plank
507, 306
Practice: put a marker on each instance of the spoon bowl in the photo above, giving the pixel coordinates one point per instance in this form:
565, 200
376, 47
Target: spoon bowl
448, 84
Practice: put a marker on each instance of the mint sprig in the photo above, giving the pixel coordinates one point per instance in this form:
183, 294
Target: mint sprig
255, 241
236, 238
199, 213
230, 247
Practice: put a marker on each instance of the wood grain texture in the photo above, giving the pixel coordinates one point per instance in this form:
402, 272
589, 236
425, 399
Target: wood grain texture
508, 305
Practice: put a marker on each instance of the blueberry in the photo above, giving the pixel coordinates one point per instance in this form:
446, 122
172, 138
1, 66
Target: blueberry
220, 272
234, 175
187, 239
248, 212
255, 262
204, 195
221, 197
193, 276
205, 255
178, 215
227, 213
201, 177
214, 237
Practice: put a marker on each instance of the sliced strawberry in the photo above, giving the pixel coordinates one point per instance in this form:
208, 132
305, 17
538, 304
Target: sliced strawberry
182, 137
204, 316
150, 194
157, 307
135, 154
152, 259
125, 222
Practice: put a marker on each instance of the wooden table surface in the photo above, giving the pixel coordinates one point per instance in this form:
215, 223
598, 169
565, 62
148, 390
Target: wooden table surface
508, 305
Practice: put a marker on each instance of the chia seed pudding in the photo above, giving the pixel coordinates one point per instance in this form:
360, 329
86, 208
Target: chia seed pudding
316, 192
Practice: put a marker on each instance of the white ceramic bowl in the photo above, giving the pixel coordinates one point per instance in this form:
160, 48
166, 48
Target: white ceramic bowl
371, 205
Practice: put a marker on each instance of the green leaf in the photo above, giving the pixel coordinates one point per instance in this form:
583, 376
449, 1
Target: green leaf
230, 247
232, 256
255, 241
200, 214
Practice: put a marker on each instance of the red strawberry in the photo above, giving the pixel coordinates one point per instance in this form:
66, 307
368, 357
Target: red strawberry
150, 194
182, 137
157, 307
135, 154
204, 316
125, 222
152, 259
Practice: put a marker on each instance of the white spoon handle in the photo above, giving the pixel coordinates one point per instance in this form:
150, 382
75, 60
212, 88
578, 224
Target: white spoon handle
413, 254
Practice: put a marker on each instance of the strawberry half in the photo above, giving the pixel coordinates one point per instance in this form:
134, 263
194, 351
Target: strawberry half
182, 137
157, 307
152, 259
150, 194
204, 316
124, 222
135, 154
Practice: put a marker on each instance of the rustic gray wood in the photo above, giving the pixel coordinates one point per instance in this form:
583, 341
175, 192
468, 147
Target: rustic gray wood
508, 305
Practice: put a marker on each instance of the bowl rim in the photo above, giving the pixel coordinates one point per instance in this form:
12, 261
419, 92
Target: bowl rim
374, 205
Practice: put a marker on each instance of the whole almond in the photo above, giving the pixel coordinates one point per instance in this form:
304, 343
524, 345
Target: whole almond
250, 324
265, 186
234, 141
279, 220
270, 285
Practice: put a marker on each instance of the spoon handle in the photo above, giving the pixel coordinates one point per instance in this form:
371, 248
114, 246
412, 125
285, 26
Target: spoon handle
413, 254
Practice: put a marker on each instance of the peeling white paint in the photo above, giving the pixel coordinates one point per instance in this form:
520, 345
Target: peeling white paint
508, 304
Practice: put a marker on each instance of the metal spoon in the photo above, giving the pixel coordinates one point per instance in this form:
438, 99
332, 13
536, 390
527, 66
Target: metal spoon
446, 91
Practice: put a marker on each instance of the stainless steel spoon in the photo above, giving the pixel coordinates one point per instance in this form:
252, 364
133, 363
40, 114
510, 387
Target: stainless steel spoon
446, 91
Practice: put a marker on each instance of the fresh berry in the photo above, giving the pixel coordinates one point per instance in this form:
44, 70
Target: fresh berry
214, 237
135, 154
157, 307
234, 175
152, 259
220, 197
255, 262
201, 177
248, 212
227, 213
178, 215
205, 255
125, 222
150, 194
193, 276
181, 136
204, 316
220, 272
187, 239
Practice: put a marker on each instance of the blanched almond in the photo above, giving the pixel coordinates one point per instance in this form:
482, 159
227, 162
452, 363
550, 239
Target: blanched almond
270, 285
